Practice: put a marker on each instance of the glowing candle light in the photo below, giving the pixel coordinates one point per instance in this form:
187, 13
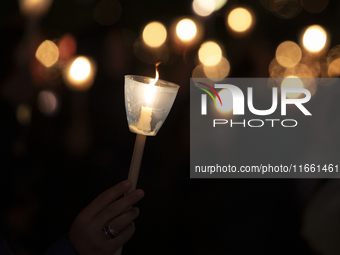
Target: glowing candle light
240, 20
35, 8
144, 122
314, 38
186, 30
79, 73
147, 103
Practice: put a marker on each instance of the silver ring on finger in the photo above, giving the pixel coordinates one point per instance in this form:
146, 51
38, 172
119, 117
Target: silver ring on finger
109, 232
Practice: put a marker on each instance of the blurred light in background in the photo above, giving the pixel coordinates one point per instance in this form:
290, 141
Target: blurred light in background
275, 69
292, 82
286, 9
80, 69
334, 68
299, 70
67, 47
47, 53
23, 114
107, 12
198, 72
219, 71
314, 38
203, 7
314, 6
219, 4
227, 101
186, 30
210, 53
47, 102
79, 73
288, 54
154, 34
313, 64
303, 72
240, 20
186, 34
333, 58
34, 8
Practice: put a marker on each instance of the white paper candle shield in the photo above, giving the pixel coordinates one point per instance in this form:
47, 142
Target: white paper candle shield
147, 105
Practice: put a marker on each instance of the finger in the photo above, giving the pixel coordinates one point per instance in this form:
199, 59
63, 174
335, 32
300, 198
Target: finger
107, 197
123, 236
116, 208
123, 220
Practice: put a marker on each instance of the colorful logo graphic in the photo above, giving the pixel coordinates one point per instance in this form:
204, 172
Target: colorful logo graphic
208, 92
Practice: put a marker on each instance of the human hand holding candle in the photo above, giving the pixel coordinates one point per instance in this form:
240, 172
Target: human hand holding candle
109, 210
147, 102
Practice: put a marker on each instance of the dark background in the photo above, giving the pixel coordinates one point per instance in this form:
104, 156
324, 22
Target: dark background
54, 167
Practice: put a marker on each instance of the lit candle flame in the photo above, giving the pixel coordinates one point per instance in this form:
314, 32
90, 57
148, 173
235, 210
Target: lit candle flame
153, 81
150, 91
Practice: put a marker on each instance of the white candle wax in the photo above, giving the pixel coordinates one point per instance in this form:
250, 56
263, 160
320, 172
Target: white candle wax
144, 122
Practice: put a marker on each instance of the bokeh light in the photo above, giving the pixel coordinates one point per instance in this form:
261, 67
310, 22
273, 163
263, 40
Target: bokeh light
210, 53
34, 8
313, 64
203, 7
333, 54
315, 6
67, 47
314, 38
292, 82
198, 72
288, 54
219, 71
107, 12
324, 75
240, 20
299, 70
334, 68
47, 102
275, 69
227, 101
305, 74
47, 53
79, 73
186, 30
219, 4
286, 9
23, 114
80, 69
154, 34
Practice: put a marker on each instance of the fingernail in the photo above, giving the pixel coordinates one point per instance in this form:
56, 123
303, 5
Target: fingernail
126, 183
136, 209
140, 193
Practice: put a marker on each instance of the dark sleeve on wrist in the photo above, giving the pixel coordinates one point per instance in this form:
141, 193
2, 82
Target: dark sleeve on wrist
62, 247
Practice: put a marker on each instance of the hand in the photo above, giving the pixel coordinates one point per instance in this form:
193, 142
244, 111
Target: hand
86, 233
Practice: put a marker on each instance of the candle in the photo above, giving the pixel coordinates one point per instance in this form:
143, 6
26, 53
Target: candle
148, 102
147, 106
144, 122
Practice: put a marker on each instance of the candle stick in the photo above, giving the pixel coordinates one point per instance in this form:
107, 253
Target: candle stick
136, 161
147, 102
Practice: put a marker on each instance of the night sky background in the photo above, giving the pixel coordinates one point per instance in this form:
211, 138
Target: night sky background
55, 166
